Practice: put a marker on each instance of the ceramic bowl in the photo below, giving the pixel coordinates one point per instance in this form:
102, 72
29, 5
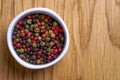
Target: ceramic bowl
22, 15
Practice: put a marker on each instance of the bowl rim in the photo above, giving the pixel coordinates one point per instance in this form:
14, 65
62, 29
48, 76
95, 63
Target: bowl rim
9, 38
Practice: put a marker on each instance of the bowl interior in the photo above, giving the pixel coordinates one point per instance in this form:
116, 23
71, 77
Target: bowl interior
41, 11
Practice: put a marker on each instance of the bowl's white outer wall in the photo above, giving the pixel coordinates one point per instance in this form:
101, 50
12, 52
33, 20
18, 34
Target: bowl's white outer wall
13, 23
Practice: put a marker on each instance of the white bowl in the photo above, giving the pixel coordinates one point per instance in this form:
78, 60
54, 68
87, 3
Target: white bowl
23, 14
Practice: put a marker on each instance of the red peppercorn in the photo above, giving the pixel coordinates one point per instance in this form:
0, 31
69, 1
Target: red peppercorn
52, 54
39, 53
48, 17
18, 45
32, 37
29, 16
60, 30
55, 32
14, 42
42, 19
56, 41
41, 62
49, 57
20, 22
28, 49
53, 28
24, 57
56, 51
60, 49
21, 28
44, 35
54, 47
35, 38
33, 41
22, 31
29, 34
43, 31
22, 34
38, 24
23, 46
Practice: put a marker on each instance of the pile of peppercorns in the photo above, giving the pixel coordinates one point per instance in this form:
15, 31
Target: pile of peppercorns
38, 39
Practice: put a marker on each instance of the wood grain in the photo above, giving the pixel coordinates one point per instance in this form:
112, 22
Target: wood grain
94, 52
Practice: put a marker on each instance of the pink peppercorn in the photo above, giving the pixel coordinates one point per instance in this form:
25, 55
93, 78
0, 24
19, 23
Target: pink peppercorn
24, 46
35, 38
54, 47
41, 62
49, 57
60, 49
14, 42
22, 34
18, 45
52, 54
56, 41
29, 16
39, 53
33, 41
29, 34
48, 17
21, 28
20, 22
56, 51
28, 49
44, 35
38, 24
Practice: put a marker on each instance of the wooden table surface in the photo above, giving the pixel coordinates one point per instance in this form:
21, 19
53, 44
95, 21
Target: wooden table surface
94, 52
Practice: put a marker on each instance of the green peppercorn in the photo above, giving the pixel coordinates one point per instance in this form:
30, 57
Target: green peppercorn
36, 15
17, 26
38, 61
51, 43
17, 50
17, 39
41, 58
26, 31
62, 38
47, 39
37, 20
29, 40
35, 26
42, 43
43, 23
33, 57
36, 34
21, 50
42, 16
31, 61
32, 25
29, 21
27, 60
39, 16
52, 35
26, 26
42, 27
46, 32
49, 50
21, 55
55, 23
50, 31
36, 29
46, 20
34, 44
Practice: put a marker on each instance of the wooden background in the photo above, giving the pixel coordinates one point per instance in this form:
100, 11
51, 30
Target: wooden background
94, 52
